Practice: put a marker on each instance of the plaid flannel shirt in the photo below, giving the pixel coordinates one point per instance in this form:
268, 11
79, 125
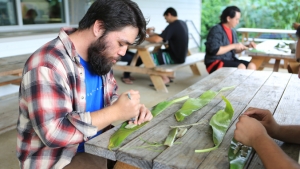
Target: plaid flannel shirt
52, 119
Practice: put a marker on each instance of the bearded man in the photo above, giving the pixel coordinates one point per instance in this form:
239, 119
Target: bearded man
68, 93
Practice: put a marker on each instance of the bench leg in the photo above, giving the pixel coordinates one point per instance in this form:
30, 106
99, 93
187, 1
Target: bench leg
195, 69
158, 83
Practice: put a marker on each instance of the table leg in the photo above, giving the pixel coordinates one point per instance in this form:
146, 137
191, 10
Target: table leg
121, 165
158, 83
134, 59
148, 62
276, 65
258, 62
195, 69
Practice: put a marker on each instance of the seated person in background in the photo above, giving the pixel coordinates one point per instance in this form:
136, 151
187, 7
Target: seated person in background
297, 27
222, 43
256, 128
293, 67
176, 34
127, 79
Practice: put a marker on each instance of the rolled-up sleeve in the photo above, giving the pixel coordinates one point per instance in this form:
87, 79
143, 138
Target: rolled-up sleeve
214, 41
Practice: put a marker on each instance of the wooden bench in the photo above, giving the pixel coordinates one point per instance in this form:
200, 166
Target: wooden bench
4, 80
168, 70
191, 61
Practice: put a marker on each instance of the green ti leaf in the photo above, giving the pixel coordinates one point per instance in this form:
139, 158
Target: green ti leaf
237, 155
192, 104
220, 123
171, 137
122, 133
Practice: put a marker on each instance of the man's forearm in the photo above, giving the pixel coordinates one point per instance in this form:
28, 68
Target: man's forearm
224, 49
272, 155
288, 133
104, 117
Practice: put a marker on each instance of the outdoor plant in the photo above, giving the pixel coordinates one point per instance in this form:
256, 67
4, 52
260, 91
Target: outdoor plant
122, 133
269, 14
219, 123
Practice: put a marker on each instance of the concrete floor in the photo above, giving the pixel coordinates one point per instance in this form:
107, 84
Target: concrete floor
183, 79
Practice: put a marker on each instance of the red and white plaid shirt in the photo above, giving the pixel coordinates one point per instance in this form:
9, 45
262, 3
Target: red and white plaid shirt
52, 120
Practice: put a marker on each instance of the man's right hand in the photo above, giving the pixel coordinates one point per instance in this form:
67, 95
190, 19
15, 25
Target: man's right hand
249, 130
128, 105
265, 117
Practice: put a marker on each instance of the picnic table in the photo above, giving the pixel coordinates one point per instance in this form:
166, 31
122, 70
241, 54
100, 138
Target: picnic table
11, 69
266, 51
245, 32
274, 91
155, 71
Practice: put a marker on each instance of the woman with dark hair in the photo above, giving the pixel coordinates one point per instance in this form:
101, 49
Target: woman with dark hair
222, 43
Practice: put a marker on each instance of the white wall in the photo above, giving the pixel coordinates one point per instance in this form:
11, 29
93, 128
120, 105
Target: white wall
153, 10
186, 10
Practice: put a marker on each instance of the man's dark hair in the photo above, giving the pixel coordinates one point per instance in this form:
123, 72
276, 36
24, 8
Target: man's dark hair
171, 11
229, 11
115, 15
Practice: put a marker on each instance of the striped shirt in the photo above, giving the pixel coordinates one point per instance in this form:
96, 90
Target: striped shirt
52, 102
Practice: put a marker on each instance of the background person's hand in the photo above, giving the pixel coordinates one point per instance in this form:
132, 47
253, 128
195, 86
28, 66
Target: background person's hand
266, 118
239, 47
150, 31
249, 131
128, 107
252, 44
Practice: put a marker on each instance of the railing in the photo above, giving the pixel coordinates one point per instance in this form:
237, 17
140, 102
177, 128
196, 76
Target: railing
192, 35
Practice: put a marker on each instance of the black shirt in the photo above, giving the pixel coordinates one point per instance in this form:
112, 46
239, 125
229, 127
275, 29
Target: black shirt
176, 33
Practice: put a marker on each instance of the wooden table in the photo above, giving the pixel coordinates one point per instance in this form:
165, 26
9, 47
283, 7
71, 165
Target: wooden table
155, 72
263, 89
144, 53
262, 59
245, 32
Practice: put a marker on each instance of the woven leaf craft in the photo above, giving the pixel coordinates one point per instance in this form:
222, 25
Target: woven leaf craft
219, 123
122, 133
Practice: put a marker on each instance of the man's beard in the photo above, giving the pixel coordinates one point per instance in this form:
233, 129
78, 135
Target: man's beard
99, 62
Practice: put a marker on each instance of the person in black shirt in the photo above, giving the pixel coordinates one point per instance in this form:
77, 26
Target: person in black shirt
175, 34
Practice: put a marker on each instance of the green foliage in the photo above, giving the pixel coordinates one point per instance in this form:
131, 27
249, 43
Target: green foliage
122, 133
220, 123
270, 14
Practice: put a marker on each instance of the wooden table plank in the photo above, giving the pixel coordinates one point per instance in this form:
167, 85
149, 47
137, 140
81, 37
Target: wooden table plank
219, 157
98, 145
199, 140
263, 89
158, 133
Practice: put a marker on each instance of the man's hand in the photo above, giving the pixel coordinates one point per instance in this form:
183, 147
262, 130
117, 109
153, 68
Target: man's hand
150, 31
249, 131
265, 117
128, 105
145, 115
